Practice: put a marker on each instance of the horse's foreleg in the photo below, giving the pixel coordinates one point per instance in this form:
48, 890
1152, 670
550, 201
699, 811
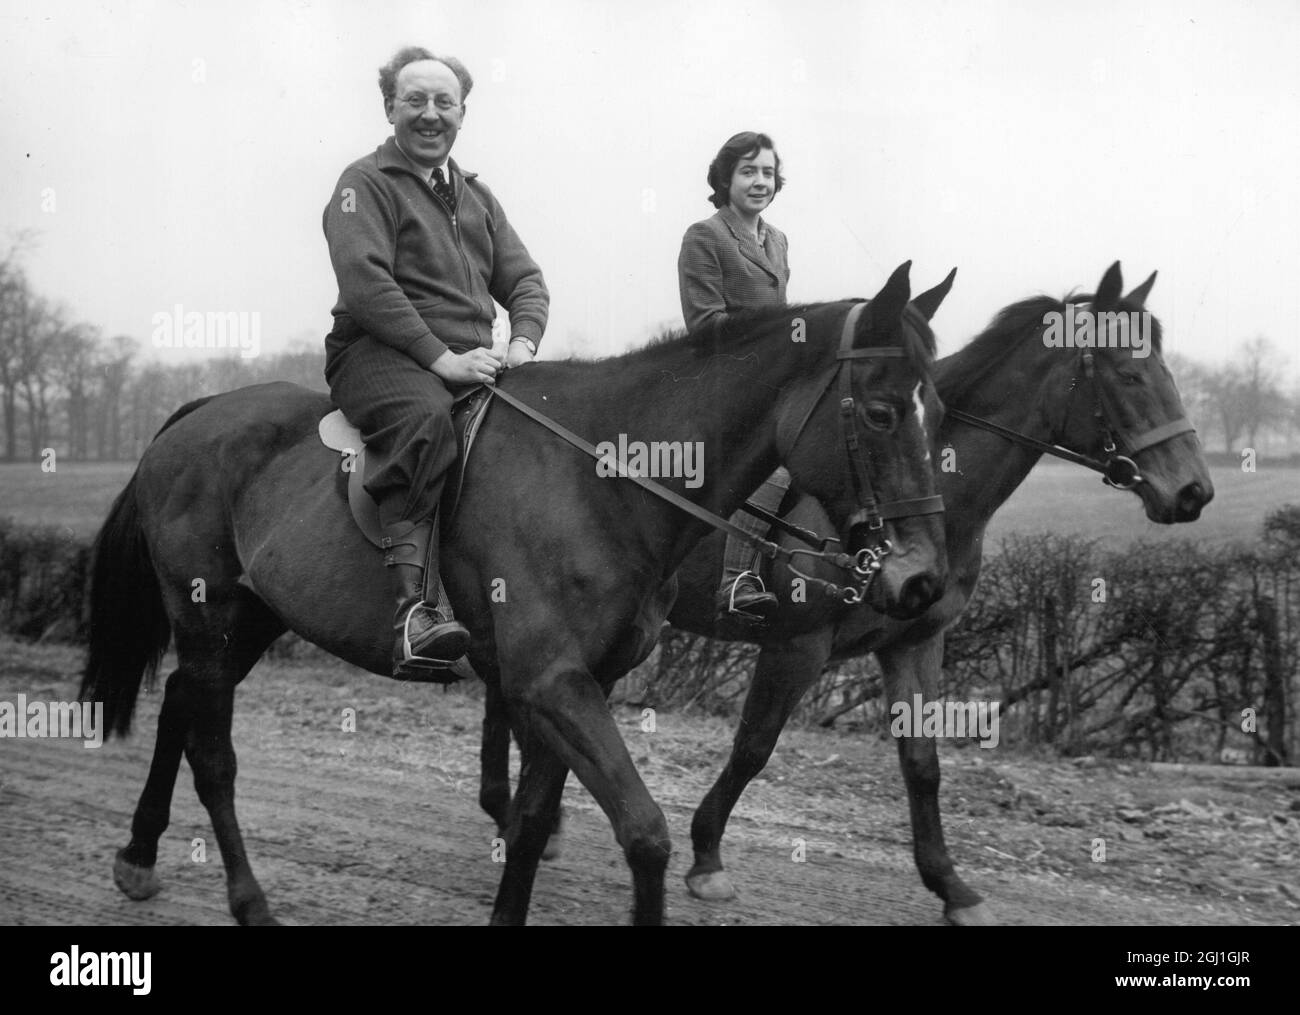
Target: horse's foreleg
494, 758
494, 772
532, 816
783, 673
909, 670
133, 870
566, 707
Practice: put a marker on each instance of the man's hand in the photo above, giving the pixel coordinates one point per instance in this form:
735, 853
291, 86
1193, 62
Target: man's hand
518, 352
478, 366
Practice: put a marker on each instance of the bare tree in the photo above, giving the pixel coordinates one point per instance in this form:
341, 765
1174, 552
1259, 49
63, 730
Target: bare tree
1226, 391
40, 327
15, 297
1194, 381
114, 369
72, 361
1262, 399
11, 284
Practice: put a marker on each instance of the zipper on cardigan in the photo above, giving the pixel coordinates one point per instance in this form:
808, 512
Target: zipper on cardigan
460, 247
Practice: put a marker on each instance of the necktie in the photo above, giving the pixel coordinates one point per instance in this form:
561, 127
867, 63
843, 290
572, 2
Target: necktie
443, 189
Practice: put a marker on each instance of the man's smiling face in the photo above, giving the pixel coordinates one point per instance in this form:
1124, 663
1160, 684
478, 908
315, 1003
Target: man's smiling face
427, 111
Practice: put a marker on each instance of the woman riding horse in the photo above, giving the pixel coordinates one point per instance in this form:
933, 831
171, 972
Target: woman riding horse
731, 262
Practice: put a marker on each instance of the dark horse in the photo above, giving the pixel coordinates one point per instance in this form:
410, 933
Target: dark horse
1010, 377
562, 575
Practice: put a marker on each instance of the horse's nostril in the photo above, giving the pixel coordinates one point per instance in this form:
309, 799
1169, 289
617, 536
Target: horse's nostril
919, 593
1191, 498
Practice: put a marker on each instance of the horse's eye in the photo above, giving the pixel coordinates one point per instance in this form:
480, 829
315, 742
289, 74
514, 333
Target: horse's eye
881, 417
1128, 378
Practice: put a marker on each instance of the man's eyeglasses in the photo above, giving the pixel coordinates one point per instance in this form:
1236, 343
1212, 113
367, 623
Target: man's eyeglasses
418, 102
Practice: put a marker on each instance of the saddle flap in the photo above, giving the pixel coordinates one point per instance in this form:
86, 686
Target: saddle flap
338, 434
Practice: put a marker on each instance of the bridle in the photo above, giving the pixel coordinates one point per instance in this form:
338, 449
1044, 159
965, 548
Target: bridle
863, 565
1118, 468
869, 511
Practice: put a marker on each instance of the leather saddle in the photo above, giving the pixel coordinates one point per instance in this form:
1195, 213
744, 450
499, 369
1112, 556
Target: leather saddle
468, 410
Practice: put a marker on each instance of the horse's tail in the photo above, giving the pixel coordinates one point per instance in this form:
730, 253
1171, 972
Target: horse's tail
129, 629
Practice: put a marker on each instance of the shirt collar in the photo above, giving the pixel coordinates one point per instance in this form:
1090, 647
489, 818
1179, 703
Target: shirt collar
419, 170
738, 227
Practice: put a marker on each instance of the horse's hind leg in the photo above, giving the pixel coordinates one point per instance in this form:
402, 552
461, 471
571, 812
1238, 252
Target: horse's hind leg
212, 758
133, 870
198, 694
914, 669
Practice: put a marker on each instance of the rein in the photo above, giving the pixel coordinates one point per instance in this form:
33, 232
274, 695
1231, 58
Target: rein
1117, 470
866, 562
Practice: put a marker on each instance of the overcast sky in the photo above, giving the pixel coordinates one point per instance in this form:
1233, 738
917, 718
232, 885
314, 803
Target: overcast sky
190, 150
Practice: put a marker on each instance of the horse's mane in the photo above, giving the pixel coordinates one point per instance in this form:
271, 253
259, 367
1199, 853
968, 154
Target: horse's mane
968, 368
737, 330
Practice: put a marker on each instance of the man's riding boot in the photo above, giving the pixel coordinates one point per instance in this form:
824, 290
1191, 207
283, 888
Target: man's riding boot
741, 595
424, 640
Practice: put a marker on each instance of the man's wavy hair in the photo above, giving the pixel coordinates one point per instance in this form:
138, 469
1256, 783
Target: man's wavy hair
409, 54
744, 145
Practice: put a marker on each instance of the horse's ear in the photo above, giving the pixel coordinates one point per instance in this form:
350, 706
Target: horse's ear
1112, 284
928, 302
887, 305
1138, 296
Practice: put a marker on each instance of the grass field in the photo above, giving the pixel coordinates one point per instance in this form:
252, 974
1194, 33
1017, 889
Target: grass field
77, 495
1062, 498
1057, 497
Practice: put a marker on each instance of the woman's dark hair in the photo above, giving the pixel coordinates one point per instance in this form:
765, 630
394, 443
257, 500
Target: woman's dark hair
744, 145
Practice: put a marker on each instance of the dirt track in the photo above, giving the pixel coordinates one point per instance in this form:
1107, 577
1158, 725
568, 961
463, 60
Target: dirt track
382, 826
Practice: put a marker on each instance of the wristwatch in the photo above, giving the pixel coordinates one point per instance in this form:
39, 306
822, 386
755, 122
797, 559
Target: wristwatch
532, 346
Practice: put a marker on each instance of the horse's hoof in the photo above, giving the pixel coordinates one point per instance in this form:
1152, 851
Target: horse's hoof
977, 915
555, 844
711, 886
254, 913
137, 883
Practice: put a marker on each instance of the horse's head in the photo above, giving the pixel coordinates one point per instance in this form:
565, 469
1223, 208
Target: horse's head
1124, 408
857, 437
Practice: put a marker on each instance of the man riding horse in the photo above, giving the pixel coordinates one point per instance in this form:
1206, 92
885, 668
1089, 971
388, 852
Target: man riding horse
421, 249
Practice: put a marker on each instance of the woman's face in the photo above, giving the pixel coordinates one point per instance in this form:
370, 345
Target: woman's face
753, 183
